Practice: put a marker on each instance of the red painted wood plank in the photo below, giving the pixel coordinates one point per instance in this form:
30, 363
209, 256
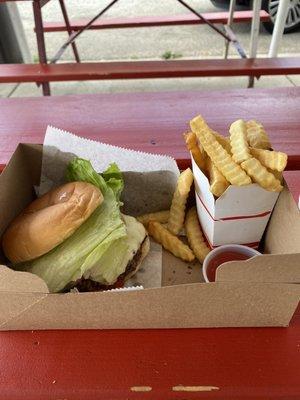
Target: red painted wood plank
152, 122
147, 69
254, 364
148, 21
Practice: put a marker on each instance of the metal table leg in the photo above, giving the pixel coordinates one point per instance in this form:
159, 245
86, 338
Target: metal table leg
67, 22
74, 35
37, 12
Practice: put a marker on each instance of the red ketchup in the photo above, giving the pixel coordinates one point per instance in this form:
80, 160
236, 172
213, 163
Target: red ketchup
220, 259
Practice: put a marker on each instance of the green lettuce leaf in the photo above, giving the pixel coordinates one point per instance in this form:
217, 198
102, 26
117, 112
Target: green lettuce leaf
103, 272
80, 169
95, 240
114, 179
119, 254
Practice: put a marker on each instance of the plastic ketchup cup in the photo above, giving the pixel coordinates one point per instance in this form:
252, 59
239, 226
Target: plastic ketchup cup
222, 254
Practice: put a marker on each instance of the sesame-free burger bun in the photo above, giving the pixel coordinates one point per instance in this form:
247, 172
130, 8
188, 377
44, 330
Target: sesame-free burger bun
49, 220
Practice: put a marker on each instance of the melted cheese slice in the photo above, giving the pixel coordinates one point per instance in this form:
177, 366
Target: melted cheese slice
135, 235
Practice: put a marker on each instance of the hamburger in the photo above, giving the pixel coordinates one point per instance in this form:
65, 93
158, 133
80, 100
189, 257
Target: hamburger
76, 236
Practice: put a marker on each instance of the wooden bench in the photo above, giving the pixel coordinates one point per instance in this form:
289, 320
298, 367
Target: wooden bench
112, 70
147, 69
141, 22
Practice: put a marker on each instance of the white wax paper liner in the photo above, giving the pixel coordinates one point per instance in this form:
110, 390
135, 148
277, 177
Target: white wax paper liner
58, 142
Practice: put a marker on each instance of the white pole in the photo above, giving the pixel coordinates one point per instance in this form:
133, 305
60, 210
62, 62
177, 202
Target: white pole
279, 27
255, 28
229, 23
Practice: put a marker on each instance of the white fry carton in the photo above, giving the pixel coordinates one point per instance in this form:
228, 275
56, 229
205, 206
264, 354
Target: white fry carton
239, 216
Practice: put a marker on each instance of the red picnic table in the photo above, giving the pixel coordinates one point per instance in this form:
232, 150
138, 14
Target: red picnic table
260, 363
152, 122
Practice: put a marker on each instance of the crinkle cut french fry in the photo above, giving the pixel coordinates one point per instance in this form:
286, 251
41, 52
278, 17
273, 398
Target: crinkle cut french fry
219, 156
195, 236
257, 136
274, 160
278, 175
218, 182
260, 175
159, 216
177, 210
170, 242
192, 145
224, 141
238, 140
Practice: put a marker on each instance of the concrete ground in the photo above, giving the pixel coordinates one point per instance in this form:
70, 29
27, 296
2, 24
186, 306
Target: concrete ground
145, 43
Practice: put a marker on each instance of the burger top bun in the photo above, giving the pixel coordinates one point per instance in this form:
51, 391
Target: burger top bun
49, 220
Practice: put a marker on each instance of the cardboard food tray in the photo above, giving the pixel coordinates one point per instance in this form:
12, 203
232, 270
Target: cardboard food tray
260, 292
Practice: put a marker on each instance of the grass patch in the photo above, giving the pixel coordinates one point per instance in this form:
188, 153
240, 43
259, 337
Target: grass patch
169, 55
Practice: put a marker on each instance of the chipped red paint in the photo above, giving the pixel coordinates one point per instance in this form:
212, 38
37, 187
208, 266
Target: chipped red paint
260, 364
